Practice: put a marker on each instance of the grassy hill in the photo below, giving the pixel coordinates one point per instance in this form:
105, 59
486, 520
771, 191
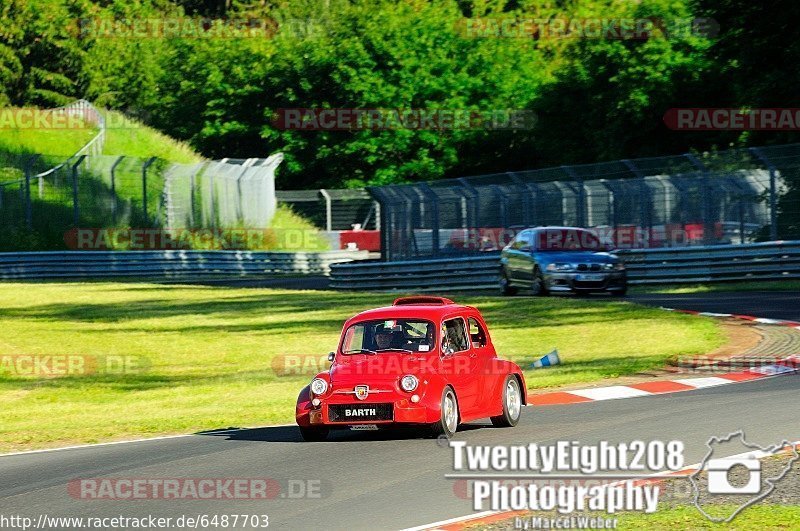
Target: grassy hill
52, 204
124, 136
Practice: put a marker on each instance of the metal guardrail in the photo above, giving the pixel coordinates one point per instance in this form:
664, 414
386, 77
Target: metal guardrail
468, 273
170, 264
688, 265
714, 263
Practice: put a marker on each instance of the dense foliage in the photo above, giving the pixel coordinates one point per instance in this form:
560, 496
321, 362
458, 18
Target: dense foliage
595, 98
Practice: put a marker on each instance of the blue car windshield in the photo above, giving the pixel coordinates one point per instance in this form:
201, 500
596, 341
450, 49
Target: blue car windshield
568, 240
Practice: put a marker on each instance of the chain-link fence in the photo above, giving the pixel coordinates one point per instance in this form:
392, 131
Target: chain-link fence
334, 210
734, 196
42, 200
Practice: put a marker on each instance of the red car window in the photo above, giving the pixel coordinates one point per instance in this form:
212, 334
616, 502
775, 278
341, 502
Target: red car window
476, 333
454, 336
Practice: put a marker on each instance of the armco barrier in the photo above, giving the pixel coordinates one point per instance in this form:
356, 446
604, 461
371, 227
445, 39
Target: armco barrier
687, 265
714, 263
170, 264
473, 272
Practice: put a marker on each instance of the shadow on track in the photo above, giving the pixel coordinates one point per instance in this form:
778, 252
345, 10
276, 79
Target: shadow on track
291, 434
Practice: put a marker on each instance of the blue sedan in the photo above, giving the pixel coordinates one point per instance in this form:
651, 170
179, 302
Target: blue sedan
551, 259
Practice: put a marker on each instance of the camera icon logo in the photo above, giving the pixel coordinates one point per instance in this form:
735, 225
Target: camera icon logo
719, 481
738, 475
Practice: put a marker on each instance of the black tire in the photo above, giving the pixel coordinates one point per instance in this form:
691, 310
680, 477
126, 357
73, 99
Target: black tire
312, 434
444, 427
505, 284
620, 292
512, 407
538, 287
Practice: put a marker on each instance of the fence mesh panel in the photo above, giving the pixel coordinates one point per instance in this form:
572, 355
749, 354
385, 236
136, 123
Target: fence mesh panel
42, 210
733, 196
333, 209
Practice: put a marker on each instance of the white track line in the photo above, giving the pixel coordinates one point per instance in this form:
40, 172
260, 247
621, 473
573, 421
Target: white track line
773, 370
610, 393
700, 383
159, 438
452, 521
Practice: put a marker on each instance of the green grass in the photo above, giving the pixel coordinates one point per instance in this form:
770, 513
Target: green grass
55, 142
292, 229
766, 517
124, 136
764, 285
209, 351
763, 517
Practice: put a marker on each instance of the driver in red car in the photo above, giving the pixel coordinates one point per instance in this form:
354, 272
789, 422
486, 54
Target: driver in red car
386, 338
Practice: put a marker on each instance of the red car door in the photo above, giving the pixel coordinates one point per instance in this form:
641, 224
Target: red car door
485, 376
460, 365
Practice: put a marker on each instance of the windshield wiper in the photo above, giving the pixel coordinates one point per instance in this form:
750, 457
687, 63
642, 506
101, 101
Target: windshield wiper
360, 351
396, 349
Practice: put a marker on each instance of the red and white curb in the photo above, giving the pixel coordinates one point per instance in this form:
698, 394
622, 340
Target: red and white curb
488, 517
614, 392
762, 320
786, 365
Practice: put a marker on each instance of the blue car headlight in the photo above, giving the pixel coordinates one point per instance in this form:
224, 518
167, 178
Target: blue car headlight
561, 267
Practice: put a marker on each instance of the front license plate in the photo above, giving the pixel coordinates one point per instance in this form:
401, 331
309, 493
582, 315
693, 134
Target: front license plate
364, 427
590, 278
351, 413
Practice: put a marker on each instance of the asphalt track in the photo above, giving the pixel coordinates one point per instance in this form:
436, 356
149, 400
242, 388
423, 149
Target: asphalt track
382, 482
770, 304
391, 481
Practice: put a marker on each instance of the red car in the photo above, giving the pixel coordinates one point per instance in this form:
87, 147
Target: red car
422, 361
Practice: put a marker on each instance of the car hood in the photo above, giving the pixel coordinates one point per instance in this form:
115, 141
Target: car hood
584, 257
383, 367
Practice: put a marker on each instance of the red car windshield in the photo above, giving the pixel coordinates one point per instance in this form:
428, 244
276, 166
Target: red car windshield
568, 240
390, 335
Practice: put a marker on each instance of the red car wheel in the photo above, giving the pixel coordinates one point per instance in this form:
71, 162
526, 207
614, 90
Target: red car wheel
448, 420
512, 404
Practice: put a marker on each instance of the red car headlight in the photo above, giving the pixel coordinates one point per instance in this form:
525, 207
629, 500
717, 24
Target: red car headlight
319, 386
409, 382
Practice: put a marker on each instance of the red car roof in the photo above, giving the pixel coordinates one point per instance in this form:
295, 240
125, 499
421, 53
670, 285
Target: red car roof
430, 308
